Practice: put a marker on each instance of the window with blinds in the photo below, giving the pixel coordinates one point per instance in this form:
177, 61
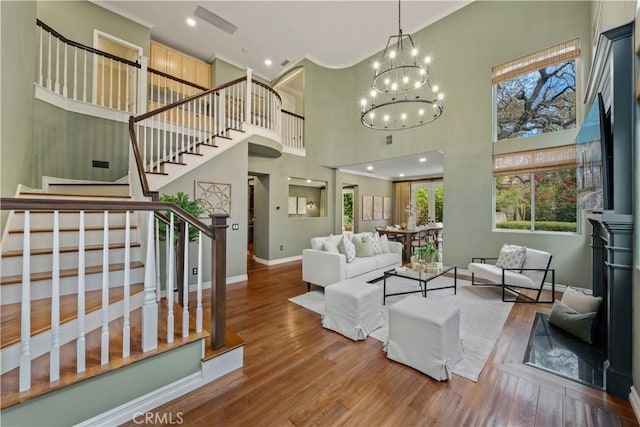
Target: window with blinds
536, 93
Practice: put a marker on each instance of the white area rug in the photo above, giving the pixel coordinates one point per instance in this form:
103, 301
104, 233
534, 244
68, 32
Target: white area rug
482, 316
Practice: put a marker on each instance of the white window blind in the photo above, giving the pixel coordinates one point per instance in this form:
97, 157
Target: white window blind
535, 160
559, 53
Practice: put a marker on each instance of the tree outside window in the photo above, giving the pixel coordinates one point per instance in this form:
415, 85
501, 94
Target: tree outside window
539, 201
537, 102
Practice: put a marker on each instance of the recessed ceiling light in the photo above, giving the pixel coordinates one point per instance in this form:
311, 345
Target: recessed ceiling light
288, 178
369, 168
422, 159
308, 181
191, 22
401, 175
267, 62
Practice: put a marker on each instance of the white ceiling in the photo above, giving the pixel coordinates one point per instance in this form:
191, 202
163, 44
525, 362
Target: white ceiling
334, 34
410, 166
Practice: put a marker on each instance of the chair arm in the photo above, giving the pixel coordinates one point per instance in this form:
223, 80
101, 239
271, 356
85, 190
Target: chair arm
482, 260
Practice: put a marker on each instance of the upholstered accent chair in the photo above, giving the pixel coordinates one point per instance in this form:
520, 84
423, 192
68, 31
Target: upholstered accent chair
531, 274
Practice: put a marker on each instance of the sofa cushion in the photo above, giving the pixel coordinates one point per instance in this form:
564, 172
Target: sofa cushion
494, 274
569, 320
346, 248
374, 240
511, 256
580, 302
387, 260
360, 266
317, 242
384, 244
363, 247
329, 246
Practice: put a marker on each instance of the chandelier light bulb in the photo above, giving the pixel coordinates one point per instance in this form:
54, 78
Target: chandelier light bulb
427, 60
421, 111
386, 117
405, 79
387, 81
417, 85
394, 86
376, 65
372, 115
372, 93
392, 54
414, 52
423, 71
403, 116
435, 88
363, 102
441, 96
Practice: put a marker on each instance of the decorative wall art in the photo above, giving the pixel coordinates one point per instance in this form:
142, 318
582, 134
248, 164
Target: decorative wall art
386, 213
216, 196
377, 207
302, 205
367, 208
293, 205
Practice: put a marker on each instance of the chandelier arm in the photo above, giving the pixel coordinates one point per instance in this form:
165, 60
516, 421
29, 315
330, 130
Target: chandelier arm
399, 27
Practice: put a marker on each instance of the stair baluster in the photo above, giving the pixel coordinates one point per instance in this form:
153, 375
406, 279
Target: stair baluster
25, 307
54, 352
185, 284
169, 236
104, 354
126, 323
149, 306
81, 342
199, 288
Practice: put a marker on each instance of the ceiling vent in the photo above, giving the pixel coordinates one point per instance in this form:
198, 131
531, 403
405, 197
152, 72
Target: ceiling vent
388, 139
285, 62
215, 20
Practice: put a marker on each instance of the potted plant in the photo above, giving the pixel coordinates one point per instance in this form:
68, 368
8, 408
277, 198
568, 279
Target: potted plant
426, 258
194, 207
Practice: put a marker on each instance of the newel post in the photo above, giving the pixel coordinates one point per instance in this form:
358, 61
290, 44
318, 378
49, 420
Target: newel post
219, 280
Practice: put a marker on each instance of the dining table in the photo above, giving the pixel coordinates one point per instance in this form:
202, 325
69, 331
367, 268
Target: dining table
407, 235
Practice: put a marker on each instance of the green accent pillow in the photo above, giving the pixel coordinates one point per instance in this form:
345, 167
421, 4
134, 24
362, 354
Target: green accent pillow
569, 320
363, 247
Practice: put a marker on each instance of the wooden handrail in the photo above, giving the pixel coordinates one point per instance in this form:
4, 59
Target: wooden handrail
13, 203
293, 114
186, 100
48, 29
169, 76
268, 88
139, 165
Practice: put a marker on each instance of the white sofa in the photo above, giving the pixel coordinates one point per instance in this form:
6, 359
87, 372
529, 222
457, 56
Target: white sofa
322, 268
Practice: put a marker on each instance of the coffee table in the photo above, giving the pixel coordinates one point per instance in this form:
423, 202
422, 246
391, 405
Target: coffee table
422, 278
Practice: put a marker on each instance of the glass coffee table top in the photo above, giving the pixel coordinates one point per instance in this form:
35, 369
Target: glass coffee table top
422, 278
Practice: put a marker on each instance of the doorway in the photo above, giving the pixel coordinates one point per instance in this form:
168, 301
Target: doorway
428, 197
347, 209
250, 218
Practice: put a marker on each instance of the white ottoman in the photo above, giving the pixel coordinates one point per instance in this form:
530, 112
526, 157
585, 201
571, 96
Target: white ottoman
424, 333
353, 308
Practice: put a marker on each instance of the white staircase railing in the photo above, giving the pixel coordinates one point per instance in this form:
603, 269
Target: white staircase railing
86, 74
292, 130
29, 283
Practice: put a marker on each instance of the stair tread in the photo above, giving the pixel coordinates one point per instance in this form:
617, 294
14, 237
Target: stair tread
156, 173
91, 196
223, 137
172, 163
40, 384
68, 249
70, 272
208, 145
41, 312
189, 152
71, 229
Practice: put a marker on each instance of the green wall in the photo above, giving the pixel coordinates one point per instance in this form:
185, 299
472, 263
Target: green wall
96, 395
18, 45
465, 46
76, 20
229, 167
65, 143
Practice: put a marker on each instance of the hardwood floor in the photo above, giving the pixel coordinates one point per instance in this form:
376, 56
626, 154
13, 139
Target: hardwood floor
296, 373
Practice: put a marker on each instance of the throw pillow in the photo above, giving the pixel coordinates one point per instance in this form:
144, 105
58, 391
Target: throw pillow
346, 248
330, 247
363, 247
581, 302
374, 241
511, 256
384, 244
569, 320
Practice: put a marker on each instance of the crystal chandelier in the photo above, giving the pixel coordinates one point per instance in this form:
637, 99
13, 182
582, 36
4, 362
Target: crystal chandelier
401, 95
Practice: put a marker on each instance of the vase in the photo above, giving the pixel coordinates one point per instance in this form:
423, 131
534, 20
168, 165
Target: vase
411, 222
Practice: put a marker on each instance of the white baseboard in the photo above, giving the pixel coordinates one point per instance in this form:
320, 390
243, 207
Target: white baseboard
634, 399
277, 261
210, 371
